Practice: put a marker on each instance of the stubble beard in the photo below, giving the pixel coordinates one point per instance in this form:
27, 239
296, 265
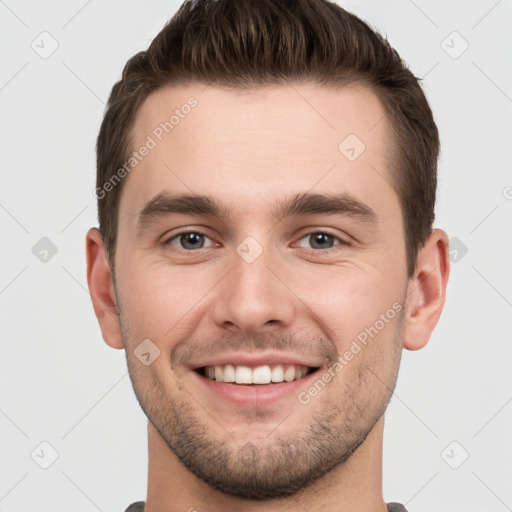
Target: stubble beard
281, 464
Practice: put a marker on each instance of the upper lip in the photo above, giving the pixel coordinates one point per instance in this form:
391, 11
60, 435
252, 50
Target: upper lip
256, 359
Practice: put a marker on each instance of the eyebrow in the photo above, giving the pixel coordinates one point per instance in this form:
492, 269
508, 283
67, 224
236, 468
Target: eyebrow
165, 204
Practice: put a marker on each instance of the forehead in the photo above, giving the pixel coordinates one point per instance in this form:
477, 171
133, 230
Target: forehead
252, 145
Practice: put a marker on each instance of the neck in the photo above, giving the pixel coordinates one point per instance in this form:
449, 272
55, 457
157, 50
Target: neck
355, 485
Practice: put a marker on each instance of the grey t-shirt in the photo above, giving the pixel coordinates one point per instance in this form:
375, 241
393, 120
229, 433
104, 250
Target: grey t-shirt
139, 507
396, 507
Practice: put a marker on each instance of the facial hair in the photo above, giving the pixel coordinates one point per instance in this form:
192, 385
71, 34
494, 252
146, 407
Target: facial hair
279, 465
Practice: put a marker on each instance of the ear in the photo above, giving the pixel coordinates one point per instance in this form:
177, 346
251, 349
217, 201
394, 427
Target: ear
101, 288
427, 290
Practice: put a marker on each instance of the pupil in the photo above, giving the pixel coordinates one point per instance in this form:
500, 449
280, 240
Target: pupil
191, 241
322, 238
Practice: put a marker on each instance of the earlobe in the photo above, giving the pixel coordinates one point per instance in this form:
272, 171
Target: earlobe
101, 288
427, 290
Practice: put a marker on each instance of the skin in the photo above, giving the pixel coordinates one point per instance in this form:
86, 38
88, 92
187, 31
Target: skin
249, 150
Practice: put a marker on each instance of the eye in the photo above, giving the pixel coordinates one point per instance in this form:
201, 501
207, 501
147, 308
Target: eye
189, 240
320, 240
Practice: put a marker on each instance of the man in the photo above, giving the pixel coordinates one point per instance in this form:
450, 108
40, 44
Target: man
266, 188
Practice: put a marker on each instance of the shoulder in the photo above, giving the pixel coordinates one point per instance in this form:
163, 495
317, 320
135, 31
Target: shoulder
396, 507
136, 507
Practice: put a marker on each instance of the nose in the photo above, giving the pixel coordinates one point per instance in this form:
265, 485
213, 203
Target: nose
254, 297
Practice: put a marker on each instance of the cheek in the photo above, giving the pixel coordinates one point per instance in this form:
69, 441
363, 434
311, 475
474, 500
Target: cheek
353, 304
156, 297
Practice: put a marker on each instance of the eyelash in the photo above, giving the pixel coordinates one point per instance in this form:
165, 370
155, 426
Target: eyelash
323, 232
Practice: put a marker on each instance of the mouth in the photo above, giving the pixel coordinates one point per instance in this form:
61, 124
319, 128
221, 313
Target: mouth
254, 379
255, 375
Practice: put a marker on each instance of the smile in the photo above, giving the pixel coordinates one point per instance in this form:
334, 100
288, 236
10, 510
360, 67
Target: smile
247, 375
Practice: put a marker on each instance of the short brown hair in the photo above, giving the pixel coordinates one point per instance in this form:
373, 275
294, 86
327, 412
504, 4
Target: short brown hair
244, 44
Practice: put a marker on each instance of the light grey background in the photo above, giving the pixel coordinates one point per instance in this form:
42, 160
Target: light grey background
61, 384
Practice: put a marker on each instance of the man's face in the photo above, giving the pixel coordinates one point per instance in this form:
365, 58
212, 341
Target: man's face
287, 282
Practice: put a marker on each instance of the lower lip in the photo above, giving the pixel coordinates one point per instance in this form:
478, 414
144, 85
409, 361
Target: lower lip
255, 395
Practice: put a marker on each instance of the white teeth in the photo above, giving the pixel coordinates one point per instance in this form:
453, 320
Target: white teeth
243, 375
261, 375
264, 374
229, 373
277, 373
289, 374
